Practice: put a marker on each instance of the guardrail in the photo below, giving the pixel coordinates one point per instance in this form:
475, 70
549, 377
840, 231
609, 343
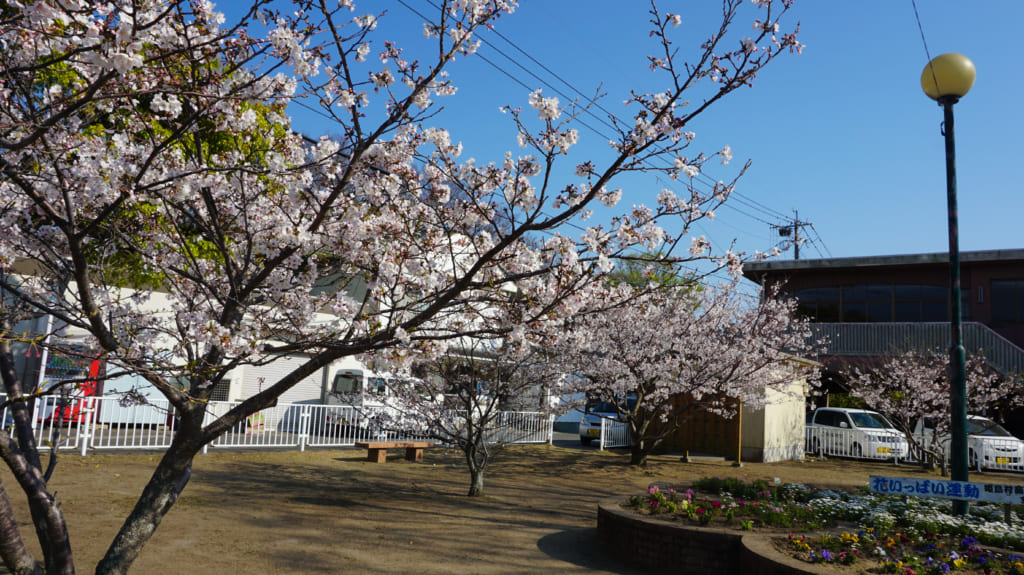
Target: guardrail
111, 423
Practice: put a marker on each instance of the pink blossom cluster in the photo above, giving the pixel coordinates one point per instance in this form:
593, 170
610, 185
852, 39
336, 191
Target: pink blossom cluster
157, 202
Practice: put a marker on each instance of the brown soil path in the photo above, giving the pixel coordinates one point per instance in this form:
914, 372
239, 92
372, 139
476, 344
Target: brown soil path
333, 512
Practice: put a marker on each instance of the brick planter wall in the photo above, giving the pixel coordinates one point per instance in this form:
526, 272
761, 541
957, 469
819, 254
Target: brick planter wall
670, 547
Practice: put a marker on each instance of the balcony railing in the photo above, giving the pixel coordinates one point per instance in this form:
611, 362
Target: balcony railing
880, 339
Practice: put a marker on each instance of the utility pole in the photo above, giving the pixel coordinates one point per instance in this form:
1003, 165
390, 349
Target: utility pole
793, 230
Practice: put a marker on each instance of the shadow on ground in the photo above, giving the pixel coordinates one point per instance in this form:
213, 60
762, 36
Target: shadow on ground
581, 547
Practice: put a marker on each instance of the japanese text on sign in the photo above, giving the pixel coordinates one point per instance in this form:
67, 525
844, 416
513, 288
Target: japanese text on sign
945, 489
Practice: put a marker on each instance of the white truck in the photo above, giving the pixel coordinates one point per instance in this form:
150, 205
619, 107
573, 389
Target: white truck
365, 400
360, 394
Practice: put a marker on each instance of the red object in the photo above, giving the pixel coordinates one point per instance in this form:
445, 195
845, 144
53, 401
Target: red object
72, 413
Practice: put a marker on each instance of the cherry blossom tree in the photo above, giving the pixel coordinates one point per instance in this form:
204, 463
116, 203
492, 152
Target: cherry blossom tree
466, 398
915, 385
157, 203
710, 346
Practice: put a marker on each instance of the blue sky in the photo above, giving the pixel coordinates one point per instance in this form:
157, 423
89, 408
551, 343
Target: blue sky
842, 133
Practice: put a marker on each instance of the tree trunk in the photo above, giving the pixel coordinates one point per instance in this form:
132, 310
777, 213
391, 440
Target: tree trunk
58, 552
159, 495
47, 517
637, 454
476, 486
476, 459
22, 459
12, 548
638, 447
168, 480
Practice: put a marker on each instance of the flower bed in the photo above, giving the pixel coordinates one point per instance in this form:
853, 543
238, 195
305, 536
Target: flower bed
875, 533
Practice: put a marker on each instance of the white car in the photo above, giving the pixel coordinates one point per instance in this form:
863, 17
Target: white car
989, 445
597, 411
854, 433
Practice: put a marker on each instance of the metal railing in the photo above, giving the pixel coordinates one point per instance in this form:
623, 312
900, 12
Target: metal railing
880, 339
984, 452
987, 453
522, 427
110, 423
614, 433
837, 441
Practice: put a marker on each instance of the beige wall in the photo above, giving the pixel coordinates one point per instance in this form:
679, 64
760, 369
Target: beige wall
776, 432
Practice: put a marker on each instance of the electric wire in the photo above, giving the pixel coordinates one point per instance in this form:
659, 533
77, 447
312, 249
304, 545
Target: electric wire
827, 251
590, 103
588, 108
742, 198
920, 29
707, 180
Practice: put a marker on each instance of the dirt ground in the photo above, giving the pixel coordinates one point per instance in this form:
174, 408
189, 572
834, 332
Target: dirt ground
331, 511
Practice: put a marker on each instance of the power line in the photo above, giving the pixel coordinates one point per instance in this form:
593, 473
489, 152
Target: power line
588, 109
707, 179
921, 30
708, 182
813, 229
756, 204
793, 230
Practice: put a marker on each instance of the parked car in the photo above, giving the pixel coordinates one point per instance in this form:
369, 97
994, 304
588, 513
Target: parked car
854, 433
989, 445
596, 411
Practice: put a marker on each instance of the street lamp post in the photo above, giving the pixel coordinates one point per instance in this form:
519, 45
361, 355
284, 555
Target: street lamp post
946, 79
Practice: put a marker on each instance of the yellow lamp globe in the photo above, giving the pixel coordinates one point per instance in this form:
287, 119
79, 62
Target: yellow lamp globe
948, 75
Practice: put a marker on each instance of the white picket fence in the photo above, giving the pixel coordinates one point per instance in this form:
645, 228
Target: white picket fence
993, 454
614, 433
110, 423
836, 441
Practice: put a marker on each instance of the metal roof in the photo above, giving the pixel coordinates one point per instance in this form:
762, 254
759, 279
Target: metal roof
753, 271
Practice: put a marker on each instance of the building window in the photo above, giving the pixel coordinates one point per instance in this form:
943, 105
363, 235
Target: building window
859, 303
1007, 298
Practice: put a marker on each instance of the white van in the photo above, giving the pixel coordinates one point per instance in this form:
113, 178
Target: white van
854, 433
989, 445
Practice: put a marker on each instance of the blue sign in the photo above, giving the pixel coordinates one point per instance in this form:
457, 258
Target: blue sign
945, 489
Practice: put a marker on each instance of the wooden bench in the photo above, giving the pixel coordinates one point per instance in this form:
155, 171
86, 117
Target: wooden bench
377, 451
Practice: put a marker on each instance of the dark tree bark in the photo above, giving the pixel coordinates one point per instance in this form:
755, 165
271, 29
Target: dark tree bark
22, 458
12, 547
476, 458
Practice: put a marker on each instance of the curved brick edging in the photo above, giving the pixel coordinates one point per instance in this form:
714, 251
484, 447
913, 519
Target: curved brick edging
670, 547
